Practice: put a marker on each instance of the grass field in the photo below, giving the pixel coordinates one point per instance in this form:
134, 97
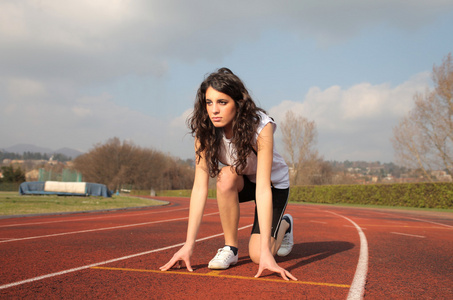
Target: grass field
11, 203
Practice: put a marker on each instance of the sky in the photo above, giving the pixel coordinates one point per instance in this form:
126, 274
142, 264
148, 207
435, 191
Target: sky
77, 73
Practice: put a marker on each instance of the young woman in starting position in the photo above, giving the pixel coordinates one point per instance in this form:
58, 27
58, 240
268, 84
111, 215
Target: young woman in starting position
230, 129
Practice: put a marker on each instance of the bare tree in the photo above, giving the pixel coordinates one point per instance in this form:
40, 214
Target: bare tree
299, 139
411, 148
119, 164
424, 138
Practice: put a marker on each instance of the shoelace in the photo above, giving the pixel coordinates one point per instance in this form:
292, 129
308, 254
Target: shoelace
223, 255
286, 239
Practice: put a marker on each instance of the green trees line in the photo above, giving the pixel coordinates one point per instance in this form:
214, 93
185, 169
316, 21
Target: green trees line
33, 156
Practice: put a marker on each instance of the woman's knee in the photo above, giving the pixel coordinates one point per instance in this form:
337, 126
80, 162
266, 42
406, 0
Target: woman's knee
254, 248
228, 181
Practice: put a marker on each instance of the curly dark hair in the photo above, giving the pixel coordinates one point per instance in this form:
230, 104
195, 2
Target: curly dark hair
245, 122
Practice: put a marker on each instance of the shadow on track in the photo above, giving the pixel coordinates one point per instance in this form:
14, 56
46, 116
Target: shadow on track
314, 251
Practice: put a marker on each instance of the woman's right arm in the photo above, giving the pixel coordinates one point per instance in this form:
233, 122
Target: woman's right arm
197, 203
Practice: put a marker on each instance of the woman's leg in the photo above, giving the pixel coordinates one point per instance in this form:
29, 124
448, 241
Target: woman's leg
284, 225
229, 184
255, 242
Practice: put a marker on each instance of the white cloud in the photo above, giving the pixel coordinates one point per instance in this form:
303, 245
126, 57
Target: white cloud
24, 87
89, 120
81, 111
56, 53
359, 117
180, 122
94, 41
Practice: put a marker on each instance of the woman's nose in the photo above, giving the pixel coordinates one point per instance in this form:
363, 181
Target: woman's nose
215, 108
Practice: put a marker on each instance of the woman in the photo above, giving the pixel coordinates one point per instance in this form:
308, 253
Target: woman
230, 129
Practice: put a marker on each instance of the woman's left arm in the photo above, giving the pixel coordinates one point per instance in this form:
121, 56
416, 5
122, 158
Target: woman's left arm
265, 145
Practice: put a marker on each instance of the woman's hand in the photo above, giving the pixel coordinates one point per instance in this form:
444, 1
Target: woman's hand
267, 261
184, 255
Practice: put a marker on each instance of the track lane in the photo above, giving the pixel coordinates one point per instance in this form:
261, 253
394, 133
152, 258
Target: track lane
325, 257
71, 249
67, 256
405, 266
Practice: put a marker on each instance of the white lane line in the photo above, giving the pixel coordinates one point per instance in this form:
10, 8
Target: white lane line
410, 218
92, 218
318, 222
436, 223
5, 286
357, 289
412, 235
97, 229
350, 226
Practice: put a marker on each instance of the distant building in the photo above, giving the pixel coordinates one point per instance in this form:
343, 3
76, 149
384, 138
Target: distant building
389, 178
441, 176
32, 175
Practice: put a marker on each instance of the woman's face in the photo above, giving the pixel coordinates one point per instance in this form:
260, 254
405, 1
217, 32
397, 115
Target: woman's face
221, 110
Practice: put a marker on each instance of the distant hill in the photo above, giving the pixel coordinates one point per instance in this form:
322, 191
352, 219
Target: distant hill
69, 152
21, 148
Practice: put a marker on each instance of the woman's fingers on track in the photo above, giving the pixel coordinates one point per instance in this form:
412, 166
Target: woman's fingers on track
284, 273
288, 274
165, 267
189, 267
169, 265
259, 273
177, 264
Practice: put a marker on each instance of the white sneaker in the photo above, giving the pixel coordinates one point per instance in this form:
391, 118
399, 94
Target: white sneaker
288, 241
223, 259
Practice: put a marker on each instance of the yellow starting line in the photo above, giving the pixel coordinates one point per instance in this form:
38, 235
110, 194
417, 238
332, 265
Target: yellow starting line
218, 274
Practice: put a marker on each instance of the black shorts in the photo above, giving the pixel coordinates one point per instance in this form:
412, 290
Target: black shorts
279, 202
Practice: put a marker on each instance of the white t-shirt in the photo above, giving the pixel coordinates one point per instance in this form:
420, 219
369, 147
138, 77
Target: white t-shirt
279, 173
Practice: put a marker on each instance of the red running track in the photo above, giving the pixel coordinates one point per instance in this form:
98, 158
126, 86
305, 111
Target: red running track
339, 253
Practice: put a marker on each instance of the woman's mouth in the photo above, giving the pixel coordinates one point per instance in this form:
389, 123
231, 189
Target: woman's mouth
216, 119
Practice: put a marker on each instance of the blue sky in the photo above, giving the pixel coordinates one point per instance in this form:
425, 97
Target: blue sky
76, 73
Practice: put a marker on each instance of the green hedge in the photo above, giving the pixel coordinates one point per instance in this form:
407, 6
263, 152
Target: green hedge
9, 187
422, 195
